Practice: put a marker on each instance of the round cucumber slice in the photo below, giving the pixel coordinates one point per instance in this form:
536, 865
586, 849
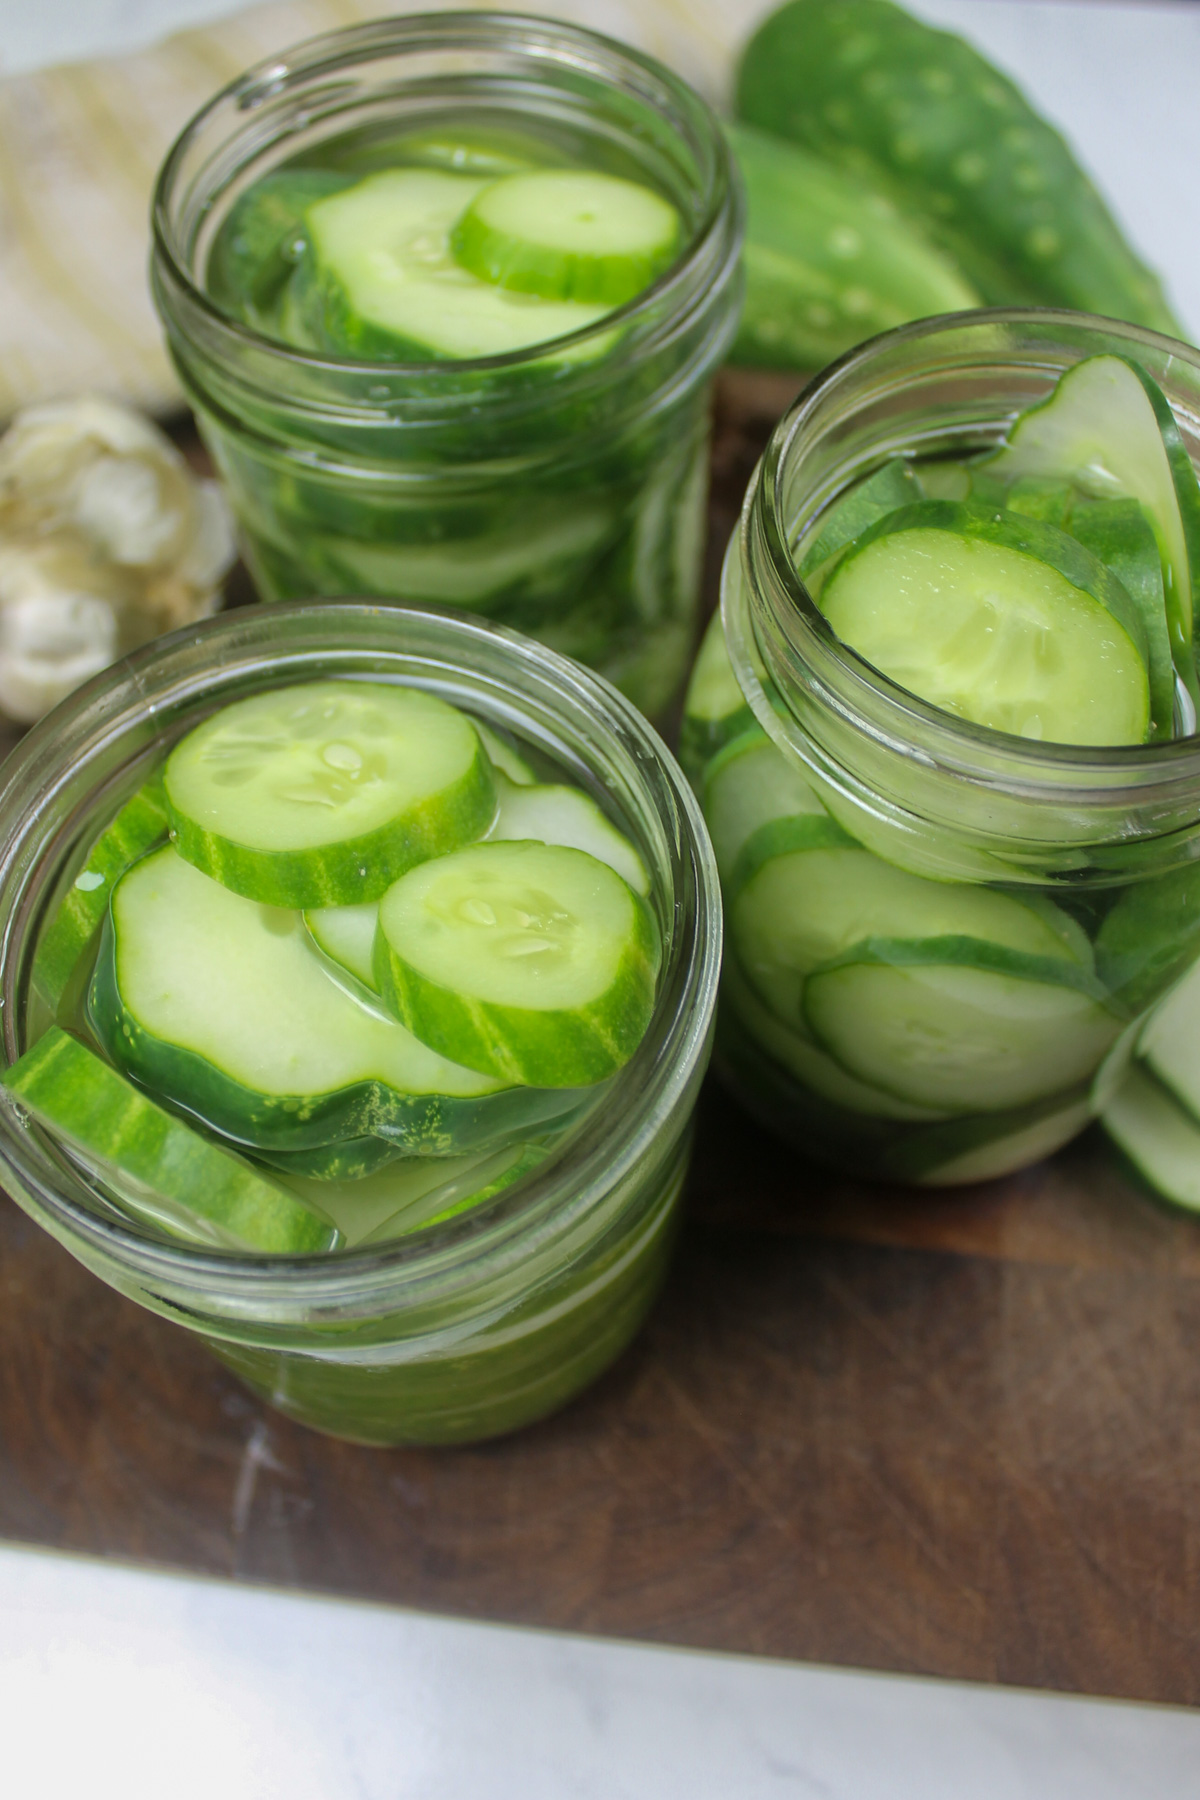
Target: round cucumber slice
533, 962
568, 234
803, 904
939, 1032
322, 794
552, 814
999, 619
221, 1006
383, 282
211, 1196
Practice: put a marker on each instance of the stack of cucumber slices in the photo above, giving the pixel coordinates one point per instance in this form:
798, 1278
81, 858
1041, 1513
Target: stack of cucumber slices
419, 263
355, 969
947, 1031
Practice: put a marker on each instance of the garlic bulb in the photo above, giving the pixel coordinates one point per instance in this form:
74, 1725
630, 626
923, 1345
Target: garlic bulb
106, 540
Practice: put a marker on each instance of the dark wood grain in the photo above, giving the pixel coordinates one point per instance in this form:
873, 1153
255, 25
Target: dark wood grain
951, 1433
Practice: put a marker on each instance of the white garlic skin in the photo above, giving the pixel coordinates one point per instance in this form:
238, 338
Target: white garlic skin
107, 539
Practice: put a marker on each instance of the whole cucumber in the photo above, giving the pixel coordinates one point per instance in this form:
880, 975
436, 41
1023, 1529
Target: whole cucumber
953, 142
828, 259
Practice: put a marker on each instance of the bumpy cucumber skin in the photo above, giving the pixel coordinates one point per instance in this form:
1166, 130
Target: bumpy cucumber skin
343, 874
551, 1048
829, 261
68, 1086
954, 142
348, 1161
138, 826
411, 1124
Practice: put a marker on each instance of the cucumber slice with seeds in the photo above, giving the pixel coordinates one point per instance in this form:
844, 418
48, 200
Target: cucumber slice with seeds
384, 284
552, 814
568, 234
534, 962
958, 1024
221, 1006
69, 1088
141, 822
322, 794
998, 619
1109, 429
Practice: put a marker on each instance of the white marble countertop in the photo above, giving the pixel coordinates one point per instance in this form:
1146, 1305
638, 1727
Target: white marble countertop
117, 1684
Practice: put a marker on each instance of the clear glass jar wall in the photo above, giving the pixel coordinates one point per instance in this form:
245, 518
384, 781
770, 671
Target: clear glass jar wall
566, 500
478, 1325
850, 817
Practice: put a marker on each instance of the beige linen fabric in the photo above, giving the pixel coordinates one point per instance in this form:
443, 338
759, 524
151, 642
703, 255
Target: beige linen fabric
80, 145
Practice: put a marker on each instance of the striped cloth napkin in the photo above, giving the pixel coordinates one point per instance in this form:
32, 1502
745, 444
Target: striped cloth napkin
80, 145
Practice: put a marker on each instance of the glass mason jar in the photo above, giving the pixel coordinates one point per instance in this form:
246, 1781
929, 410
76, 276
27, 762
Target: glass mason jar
561, 496
1002, 912
468, 1328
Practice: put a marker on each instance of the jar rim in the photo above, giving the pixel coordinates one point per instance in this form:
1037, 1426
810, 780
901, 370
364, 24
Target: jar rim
715, 239
780, 608
598, 1152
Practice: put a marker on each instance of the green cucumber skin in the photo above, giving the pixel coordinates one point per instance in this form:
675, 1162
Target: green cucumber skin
411, 1124
828, 259
68, 1086
139, 825
541, 1049
953, 141
779, 837
891, 487
925, 1151
346, 873
975, 953
1026, 536
1150, 937
350, 1160
1119, 534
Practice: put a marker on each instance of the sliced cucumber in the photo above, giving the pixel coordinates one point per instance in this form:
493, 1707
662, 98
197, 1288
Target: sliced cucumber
749, 784
220, 1006
384, 282
795, 1050
998, 619
1170, 1043
894, 485
958, 1024
354, 1159
1121, 536
568, 234
322, 794
140, 823
553, 814
98, 1111
1161, 1140
804, 906
1109, 429
983, 1147
531, 961
504, 756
